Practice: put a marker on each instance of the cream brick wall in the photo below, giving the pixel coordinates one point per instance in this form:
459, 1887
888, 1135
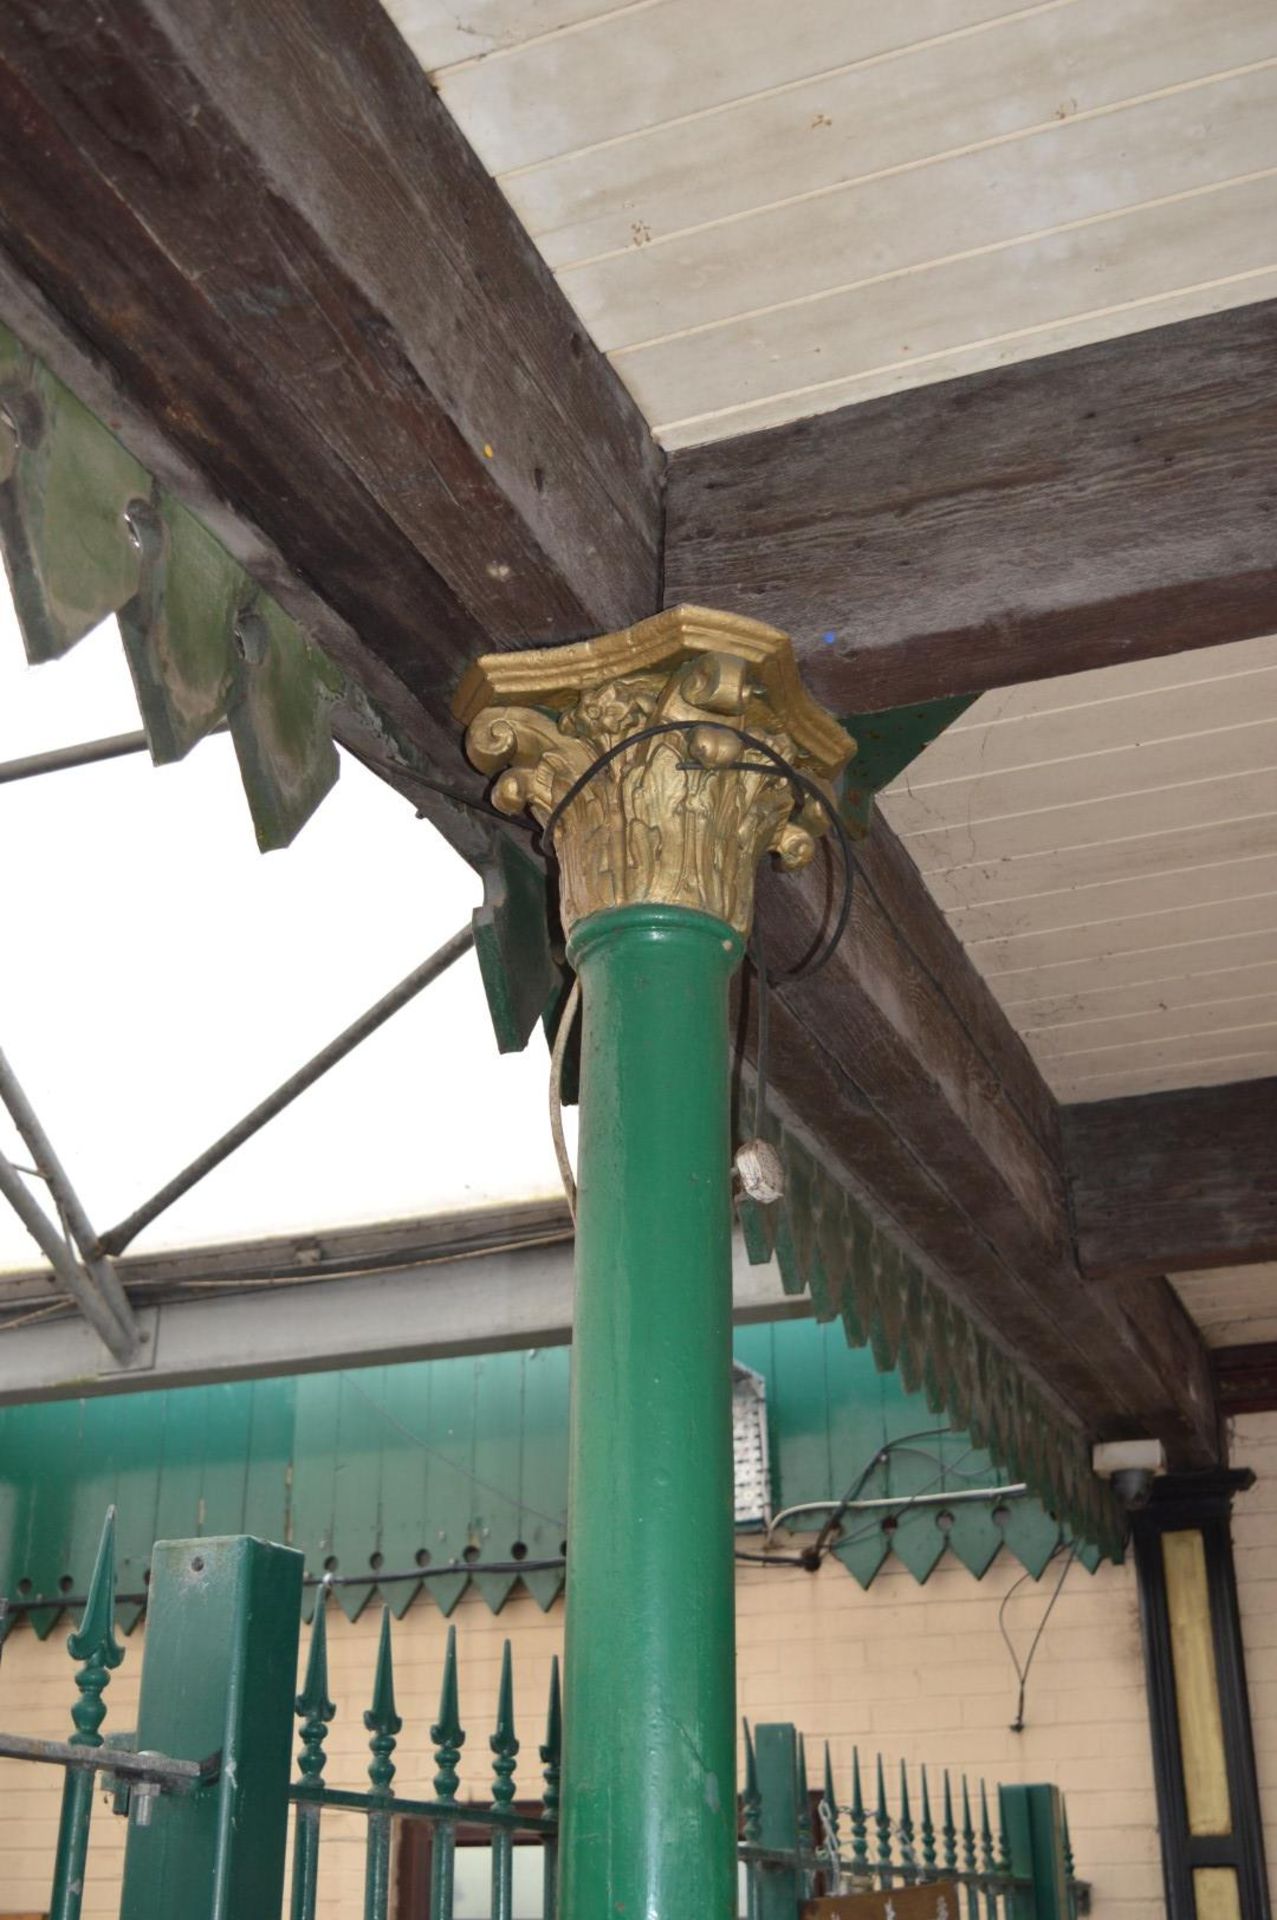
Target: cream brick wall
1254, 1444
920, 1672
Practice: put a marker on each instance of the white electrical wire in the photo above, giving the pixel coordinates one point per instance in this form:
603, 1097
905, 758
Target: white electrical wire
557, 1057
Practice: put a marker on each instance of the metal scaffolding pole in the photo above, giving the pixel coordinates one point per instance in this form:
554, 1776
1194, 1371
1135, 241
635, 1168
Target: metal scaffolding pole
102, 1275
87, 753
65, 1267
120, 1236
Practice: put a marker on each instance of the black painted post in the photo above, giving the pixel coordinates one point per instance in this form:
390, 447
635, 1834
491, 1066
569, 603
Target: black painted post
1203, 1752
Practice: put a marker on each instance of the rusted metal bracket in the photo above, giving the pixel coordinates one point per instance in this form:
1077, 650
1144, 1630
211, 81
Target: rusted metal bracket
156, 1769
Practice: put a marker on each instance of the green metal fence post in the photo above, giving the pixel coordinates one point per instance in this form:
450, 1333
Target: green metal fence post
505, 1748
218, 1674
882, 1822
904, 1830
1033, 1823
94, 1643
751, 1813
384, 1724
649, 1801
551, 1761
448, 1740
780, 1818
969, 1854
315, 1711
988, 1856
860, 1867
928, 1832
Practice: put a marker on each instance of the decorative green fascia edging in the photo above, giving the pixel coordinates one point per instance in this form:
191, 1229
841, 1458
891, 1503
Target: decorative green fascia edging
826, 1244
87, 532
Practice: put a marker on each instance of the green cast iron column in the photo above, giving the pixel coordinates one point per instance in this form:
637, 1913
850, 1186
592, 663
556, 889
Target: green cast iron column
662, 762
649, 1790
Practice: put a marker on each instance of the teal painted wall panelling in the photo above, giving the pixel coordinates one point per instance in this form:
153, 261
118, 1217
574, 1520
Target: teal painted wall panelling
446, 1464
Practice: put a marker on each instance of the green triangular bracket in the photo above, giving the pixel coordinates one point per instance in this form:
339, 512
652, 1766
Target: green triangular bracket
885, 745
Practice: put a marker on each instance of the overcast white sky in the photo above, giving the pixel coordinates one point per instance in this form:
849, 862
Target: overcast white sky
158, 976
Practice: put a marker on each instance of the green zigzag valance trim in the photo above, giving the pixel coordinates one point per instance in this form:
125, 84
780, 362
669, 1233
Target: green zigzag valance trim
87, 532
826, 1244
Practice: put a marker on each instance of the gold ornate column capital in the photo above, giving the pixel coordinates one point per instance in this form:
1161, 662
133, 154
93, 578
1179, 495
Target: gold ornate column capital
664, 820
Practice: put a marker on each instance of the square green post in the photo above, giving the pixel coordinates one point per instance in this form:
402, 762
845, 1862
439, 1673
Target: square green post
780, 1818
219, 1672
1033, 1828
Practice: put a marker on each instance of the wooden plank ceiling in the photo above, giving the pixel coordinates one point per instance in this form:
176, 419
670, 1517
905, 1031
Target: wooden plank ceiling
1233, 1306
1105, 846
761, 212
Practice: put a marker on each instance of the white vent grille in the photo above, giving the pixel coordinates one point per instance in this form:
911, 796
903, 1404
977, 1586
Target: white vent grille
749, 1448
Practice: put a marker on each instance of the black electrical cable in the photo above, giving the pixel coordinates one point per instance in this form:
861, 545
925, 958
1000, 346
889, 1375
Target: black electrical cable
815, 1553
804, 789
394, 771
758, 963
1022, 1672
908, 1502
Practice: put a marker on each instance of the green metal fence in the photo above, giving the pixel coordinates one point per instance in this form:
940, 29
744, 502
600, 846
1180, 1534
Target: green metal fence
205, 1780
1009, 1853
499, 1822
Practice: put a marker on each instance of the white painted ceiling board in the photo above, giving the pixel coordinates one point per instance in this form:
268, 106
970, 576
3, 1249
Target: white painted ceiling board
1195, 1019
1169, 1076
997, 81
1106, 278
1195, 812
1256, 1042
1136, 896
1030, 949
643, 66
1125, 720
442, 32
989, 343
1213, 987
1100, 685
1233, 1306
1172, 1077
762, 211
1079, 870
1105, 845
906, 222
1087, 778
1061, 981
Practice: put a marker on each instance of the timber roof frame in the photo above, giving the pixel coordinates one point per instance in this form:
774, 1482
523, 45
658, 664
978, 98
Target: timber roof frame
348, 359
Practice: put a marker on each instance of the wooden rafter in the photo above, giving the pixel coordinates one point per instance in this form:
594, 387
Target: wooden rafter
1166, 1182
1111, 503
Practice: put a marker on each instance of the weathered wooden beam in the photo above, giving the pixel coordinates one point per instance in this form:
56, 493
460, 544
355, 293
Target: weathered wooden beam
268, 229
1169, 1182
916, 1084
1107, 504
1247, 1378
